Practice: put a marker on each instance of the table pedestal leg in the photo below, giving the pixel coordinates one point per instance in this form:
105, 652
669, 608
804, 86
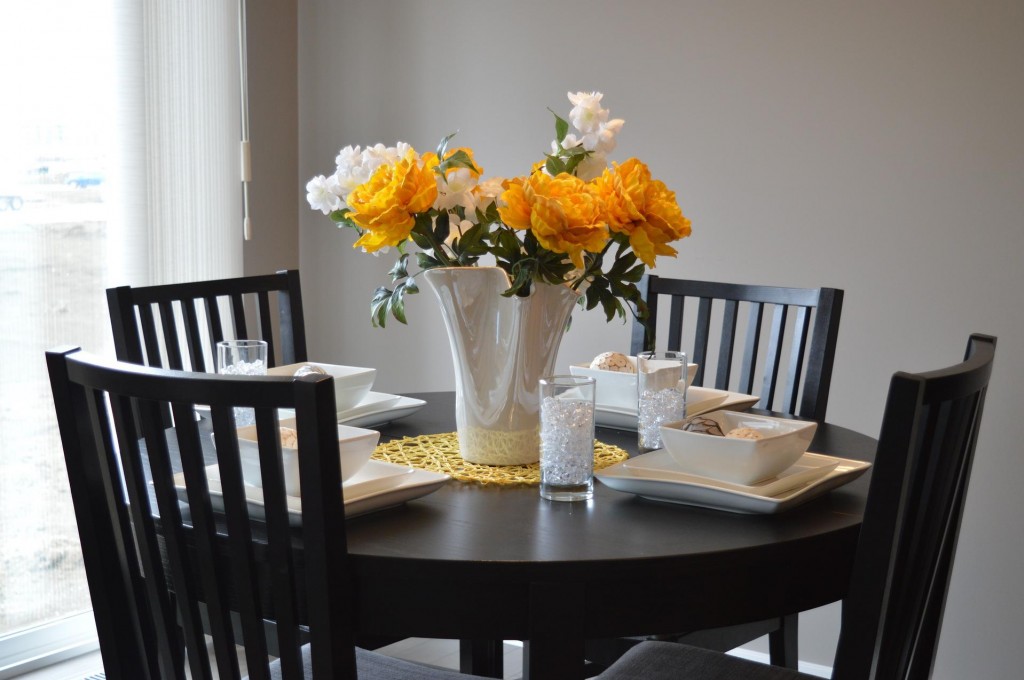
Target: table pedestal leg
482, 657
555, 649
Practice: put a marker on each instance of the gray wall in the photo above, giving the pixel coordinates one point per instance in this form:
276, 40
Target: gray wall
871, 146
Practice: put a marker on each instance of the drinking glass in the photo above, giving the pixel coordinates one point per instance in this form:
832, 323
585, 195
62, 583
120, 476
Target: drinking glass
242, 357
567, 437
661, 395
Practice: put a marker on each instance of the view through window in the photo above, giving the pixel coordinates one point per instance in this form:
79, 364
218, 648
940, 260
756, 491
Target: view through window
57, 69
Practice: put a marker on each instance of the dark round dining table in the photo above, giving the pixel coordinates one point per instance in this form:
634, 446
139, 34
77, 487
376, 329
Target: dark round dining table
474, 562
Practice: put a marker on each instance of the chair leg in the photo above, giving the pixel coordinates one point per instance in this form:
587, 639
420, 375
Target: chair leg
782, 643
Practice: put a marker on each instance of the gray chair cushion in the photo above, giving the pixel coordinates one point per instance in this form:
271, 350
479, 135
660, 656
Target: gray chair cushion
673, 661
374, 666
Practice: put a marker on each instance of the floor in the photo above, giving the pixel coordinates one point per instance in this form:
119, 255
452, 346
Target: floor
444, 653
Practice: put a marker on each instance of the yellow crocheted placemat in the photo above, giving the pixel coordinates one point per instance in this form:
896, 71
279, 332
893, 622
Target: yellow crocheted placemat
440, 453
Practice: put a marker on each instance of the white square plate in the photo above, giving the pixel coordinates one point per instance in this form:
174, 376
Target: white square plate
377, 486
657, 465
657, 484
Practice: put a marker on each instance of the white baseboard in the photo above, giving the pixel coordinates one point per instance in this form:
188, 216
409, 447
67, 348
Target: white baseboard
804, 666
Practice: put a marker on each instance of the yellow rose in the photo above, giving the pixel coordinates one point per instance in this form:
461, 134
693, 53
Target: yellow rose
384, 206
642, 208
564, 213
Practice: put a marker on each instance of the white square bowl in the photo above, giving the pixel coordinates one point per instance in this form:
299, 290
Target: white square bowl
740, 461
355, 446
615, 389
351, 383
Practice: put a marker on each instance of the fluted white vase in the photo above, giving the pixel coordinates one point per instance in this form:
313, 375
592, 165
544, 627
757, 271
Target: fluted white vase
501, 347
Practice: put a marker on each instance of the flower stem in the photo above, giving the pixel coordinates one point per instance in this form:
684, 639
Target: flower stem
595, 264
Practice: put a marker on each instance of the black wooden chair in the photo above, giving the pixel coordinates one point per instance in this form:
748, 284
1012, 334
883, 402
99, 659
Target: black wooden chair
156, 556
167, 571
892, 613
793, 355
178, 325
797, 384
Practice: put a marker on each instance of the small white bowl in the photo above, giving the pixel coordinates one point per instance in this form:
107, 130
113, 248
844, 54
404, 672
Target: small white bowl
740, 461
355, 446
351, 383
618, 390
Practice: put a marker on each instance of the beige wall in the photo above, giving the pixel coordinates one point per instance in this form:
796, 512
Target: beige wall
871, 146
273, 130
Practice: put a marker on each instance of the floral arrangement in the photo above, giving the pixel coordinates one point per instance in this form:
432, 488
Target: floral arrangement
574, 220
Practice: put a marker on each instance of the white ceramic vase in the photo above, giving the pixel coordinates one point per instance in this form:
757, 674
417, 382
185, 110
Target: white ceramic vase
501, 347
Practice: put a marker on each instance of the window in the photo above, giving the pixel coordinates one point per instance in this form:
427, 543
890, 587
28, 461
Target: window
118, 164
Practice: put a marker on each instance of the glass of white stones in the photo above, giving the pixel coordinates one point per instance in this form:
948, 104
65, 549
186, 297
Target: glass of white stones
242, 357
661, 395
567, 437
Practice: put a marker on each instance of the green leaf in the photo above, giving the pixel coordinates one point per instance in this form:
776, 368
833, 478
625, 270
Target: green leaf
421, 240
397, 303
442, 147
459, 159
561, 127
427, 261
635, 274
520, 285
612, 306
400, 270
341, 218
554, 166
472, 239
379, 307
442, 227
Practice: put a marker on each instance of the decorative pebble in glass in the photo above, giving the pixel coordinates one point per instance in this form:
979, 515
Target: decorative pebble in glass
567, 438
242, 357
661, 395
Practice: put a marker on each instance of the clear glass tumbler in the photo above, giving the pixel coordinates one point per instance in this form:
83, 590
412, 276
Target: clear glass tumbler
661, 395
567, 437
242, 357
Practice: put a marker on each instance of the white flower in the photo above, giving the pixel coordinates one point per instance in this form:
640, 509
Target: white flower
606, 135
587, 114
356, 165
455, 188
592, 166
570, 142
324, 194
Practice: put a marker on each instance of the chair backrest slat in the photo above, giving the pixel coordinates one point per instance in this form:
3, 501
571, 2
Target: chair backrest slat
266, 324
238, 319
169, 327
169, 568
149, 331
750, 348
153, 594
702, 333
193, 335
893, 611
773, 357
794, 367
214, 325
675, 332
279, 543
213, 579
727, 343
